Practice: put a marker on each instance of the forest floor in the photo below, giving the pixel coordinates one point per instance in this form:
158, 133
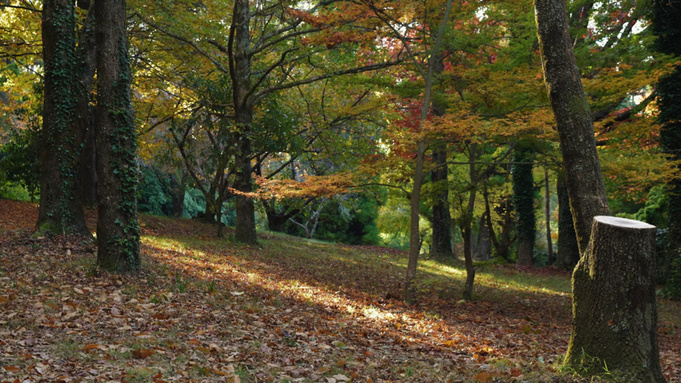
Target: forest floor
288, 310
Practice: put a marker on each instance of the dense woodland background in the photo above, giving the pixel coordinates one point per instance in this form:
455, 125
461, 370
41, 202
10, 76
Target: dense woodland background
336, 121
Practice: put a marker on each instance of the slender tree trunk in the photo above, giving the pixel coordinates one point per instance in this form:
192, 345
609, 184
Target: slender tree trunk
466, 227
568, 250
118, 232
240, 66
414, 233
547, 215
573, 116
441, 222
614, 313
61, 207
523, 201
483, 248
466, 232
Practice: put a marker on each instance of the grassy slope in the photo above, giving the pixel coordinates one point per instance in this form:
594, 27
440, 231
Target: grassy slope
205, 309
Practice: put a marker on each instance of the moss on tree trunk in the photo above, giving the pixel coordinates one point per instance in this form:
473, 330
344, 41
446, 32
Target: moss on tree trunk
614, 311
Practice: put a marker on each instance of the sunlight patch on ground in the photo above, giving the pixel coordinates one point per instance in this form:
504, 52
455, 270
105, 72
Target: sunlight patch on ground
408, 326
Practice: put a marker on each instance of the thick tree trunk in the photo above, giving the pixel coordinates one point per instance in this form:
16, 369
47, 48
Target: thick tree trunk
523, 201
118, 232
667, 27
573, 117
240, 66
614, 313
568, 250
87, 58
61, 207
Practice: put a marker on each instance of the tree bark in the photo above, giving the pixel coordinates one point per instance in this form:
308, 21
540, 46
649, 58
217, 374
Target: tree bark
667, 27
240, 70
573, 117
547, 215
87, 58
466, 226
61, 207
442, 221
118, 232
523, 201
568, 250
614, 313
483, 247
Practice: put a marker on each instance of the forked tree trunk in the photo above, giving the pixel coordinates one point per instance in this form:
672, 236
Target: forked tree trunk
614, 313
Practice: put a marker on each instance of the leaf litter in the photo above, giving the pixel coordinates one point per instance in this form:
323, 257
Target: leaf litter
290, 310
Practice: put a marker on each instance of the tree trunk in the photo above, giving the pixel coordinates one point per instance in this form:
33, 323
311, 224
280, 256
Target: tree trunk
240, 70
468, 259
614, 313
87, 58
118, 232
468, 223
483, 248
568, 250
523, 201
547, 215
573, 118
414, 232
667, 27
61, 207
442, 221
177, 192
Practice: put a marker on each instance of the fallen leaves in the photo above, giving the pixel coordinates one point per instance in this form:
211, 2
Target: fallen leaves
260, 314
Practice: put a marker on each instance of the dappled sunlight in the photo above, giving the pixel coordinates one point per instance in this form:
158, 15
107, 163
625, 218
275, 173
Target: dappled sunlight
391, 318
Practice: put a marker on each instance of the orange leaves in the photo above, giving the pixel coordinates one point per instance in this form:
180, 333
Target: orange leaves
313, 186
142, 353
93, 346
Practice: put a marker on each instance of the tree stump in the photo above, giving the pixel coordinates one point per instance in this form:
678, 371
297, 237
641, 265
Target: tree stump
614, 316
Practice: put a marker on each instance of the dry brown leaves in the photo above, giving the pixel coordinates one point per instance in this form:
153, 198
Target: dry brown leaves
219, 312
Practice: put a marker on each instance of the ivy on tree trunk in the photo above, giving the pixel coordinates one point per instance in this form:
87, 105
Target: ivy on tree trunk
61, 208
118, 232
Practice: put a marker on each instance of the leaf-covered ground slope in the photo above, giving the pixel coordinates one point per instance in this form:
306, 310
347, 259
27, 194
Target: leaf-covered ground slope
205, 309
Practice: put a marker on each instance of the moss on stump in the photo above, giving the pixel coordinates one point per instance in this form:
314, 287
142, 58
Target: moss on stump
614, 311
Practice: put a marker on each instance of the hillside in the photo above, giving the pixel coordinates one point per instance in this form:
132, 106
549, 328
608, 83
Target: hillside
290, 310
